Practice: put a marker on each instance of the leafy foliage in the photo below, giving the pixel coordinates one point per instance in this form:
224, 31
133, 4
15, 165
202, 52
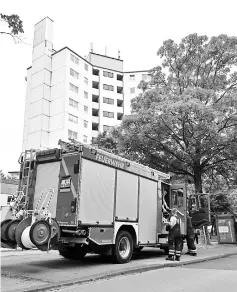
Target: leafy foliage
15, 26
185, 120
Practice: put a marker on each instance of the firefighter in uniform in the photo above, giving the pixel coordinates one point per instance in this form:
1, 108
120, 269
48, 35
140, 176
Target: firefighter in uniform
174, 237
190, 237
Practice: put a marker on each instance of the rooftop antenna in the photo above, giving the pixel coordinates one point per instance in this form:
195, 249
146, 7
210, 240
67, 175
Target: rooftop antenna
118, 54
105, 51
91, 47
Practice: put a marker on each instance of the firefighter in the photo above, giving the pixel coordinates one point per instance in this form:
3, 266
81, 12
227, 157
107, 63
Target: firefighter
174, 237
190, 237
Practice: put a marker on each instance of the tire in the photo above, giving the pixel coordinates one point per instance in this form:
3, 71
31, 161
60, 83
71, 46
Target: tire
73, 253
4, 224
123, 249
40, 233
11, 229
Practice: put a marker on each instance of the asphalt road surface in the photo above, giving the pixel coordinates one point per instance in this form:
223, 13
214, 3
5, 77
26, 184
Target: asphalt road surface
22, 270
214, 276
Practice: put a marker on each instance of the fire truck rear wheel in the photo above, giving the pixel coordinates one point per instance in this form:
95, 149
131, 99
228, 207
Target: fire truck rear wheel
73, 253
123, 248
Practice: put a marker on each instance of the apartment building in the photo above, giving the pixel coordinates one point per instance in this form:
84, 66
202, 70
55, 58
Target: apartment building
71, 97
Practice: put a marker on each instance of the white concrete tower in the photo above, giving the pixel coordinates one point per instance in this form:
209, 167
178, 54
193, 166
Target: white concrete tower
37, 107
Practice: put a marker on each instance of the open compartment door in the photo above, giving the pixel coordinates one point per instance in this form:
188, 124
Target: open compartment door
179, 201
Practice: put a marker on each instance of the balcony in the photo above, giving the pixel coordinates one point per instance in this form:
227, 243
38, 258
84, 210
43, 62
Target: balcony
95, 78
120, 77
95, 105
95, 84
95, 91
119, 83
120, 110
120, 89
119, 116
95, 98
95, 72
119, 102
95, 120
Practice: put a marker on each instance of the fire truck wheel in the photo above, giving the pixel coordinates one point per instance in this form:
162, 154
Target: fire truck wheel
73, 253
11, 229
123, 248
40, 232
4, 224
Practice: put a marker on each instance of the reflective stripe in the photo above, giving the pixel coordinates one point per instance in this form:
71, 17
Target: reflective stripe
171, 252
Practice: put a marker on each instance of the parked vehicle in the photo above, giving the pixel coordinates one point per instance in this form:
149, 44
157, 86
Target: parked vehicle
82, 199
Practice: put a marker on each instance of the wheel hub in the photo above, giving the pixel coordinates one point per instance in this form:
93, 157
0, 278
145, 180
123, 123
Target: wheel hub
124, 247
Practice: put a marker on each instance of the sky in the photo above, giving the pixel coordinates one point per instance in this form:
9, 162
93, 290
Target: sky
137, 28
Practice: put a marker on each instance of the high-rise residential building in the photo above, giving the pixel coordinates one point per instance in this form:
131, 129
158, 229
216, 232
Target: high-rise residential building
71, 97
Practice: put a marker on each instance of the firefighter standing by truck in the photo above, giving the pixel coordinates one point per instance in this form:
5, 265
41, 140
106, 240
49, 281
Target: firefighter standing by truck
174, 237
190, 237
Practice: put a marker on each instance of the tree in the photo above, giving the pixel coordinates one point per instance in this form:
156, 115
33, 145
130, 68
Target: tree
15, 26
185, 121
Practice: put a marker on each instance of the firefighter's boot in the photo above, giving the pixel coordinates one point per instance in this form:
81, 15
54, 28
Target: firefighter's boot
170, 258
177, 258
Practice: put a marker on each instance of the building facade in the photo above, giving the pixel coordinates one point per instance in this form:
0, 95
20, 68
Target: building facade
71, 97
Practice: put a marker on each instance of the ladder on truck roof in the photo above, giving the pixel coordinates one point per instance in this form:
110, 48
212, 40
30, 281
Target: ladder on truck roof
26, 158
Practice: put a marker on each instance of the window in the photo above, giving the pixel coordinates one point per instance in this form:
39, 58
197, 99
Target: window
74, 59
85, 94
73, 103
85, 108
73, 88
108, 87
85, 124
108, 100
74, 73
9, 198
86, 67
73, 118
107, 128
144, 77
108, 74
84, 138
132, 90
86, 80
132, 77
72, 135
108, 114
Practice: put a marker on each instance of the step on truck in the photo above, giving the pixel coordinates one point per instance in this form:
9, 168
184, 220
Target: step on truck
81, 199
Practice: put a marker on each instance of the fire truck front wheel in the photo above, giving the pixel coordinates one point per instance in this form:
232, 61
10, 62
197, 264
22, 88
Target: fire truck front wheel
123, 248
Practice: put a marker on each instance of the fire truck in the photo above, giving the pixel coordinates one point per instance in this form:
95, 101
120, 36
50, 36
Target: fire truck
78, 199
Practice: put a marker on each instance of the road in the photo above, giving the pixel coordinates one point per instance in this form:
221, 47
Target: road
29, 270
217, 275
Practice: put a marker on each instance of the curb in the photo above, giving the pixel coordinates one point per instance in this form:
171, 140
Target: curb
129, 271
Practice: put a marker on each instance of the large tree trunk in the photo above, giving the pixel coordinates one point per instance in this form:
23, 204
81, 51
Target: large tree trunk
197, 182
198, 189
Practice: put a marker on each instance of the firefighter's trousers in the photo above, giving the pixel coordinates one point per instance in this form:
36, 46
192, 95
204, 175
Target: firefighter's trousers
175, 245
191, 245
